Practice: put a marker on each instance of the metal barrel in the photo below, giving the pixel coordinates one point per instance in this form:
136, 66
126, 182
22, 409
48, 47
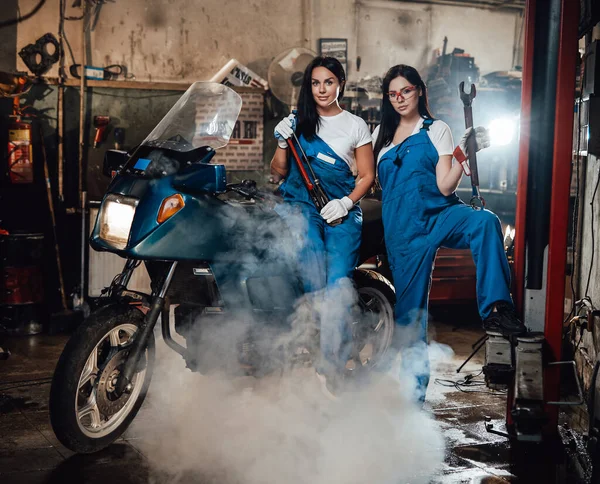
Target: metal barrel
21, 282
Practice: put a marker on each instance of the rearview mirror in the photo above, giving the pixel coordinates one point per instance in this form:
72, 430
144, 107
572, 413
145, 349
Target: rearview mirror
114, 160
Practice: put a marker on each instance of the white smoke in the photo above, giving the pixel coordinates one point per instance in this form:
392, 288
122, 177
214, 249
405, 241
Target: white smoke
280, 428
229, 429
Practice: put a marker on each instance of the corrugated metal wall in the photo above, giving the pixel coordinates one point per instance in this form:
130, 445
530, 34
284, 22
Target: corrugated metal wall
104, 266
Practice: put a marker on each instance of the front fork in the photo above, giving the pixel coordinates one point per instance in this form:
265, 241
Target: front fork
119, 285
140, 341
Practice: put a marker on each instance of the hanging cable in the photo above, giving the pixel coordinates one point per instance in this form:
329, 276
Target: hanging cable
579, 320
19, 19
592, 398
587, 286
61, 40
64, 33
575, 215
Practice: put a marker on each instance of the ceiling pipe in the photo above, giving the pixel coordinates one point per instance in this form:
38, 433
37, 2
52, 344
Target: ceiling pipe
488, 5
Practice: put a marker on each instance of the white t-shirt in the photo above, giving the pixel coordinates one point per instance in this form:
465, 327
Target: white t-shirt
344, 132
439, 134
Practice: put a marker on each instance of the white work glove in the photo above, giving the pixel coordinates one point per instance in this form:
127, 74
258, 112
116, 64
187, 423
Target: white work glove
337, 208
284, 130
461, 153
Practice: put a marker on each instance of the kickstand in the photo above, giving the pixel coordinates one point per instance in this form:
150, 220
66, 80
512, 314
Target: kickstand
476, 347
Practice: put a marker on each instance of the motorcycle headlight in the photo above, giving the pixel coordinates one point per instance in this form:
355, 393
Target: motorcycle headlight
115, 218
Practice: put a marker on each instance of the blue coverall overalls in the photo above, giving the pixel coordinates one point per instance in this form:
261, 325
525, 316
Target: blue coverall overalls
418, 219
329, 254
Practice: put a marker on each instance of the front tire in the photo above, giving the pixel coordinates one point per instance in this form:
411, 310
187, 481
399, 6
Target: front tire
85, 412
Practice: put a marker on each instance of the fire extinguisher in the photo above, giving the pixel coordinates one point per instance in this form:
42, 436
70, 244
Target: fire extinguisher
20, 153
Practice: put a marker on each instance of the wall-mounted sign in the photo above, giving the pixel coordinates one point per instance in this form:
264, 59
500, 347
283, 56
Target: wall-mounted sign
337, 48
236, 74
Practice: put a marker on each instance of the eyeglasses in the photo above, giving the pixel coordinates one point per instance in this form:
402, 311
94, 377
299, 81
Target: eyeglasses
404, 94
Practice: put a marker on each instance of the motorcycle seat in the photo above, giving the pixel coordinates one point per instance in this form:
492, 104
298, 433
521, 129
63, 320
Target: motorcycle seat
371, 209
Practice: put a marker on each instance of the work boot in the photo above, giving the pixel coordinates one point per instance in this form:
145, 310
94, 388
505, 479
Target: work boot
504, 320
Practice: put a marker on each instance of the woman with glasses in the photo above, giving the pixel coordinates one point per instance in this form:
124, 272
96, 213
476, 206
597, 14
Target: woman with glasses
338, 146
421, 213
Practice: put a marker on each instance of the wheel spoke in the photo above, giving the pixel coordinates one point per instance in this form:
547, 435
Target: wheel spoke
90, 368
379, 325
91, 409
94, 418
115, 339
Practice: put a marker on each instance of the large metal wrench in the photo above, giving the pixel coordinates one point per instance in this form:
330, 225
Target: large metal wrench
315, 190
477, 201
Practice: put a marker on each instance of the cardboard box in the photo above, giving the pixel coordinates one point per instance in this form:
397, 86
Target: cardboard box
236, 74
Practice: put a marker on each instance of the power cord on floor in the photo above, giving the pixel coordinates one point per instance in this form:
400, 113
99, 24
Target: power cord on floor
467, 383
10, 385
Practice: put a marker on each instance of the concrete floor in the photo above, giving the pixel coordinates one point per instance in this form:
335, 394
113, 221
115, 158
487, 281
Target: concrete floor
30, 453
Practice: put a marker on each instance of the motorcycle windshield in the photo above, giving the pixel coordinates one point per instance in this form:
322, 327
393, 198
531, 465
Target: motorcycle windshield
204, 116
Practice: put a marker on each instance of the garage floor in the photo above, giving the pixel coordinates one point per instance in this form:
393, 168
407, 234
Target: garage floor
30, 453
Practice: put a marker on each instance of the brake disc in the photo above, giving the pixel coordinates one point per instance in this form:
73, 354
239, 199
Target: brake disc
107, 399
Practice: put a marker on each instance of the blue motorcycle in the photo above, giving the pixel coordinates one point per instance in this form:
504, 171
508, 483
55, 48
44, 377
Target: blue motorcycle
215, 253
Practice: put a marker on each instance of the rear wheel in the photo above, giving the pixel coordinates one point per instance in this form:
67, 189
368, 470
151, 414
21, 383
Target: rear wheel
86, 412
373, 326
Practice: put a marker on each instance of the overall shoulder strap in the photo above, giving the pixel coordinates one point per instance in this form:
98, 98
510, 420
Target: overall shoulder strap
427, 123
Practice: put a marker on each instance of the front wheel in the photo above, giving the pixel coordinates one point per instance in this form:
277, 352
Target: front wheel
86, 412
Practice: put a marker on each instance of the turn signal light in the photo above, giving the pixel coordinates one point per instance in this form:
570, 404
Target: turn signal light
169, 207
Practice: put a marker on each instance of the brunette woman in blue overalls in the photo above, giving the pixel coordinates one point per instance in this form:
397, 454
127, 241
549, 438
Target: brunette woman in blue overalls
338, 146
421, 213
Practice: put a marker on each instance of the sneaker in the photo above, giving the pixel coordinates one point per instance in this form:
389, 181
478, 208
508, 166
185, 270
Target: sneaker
504, 320
330, 385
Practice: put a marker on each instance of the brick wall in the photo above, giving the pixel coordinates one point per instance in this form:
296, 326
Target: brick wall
245, 149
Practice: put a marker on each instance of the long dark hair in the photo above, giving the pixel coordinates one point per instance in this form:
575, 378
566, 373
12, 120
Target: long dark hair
308, 118
390, 119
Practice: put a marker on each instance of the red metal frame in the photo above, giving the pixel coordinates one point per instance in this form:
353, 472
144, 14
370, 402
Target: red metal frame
559, 205
522, 176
